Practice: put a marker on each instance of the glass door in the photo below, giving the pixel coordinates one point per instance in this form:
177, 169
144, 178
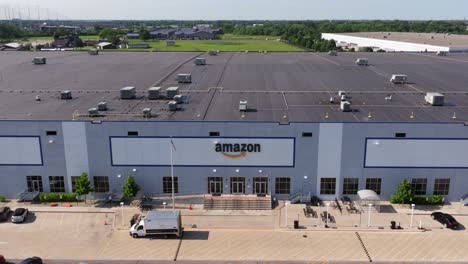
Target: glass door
260, 185
237, 185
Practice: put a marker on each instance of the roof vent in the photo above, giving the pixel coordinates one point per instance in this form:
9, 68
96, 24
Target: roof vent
171, 92
65, 95
39, 60
154, 93
345, 106
147, 112
178, 98
172, 105
399, 79
184, 78
102, 106
243, 106
128, 92
200, 61
435, 99
93, 112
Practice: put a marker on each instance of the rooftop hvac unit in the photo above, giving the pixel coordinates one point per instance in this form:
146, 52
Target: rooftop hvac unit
362, 62
200, 61
441, 53
172, 106
343, 98
39, 60
399, 78
147, 112
154, 93
340, 93
178, 98
333, 53
345, 106
243, 106
435, 99
93, 112
213, 52
93, 52
102, 106
171, 92
65, 95
184, 78
128, 92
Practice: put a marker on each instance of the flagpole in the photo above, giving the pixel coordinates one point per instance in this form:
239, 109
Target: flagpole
172, 174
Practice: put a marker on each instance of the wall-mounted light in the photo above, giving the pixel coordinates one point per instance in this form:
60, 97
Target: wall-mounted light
237, 170
51, 141
305, 177
214, 170
134, 170
119, 176
260, 171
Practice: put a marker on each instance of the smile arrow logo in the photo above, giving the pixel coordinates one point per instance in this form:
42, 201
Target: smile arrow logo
236, 156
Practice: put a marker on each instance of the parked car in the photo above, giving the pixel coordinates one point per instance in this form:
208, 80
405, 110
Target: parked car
2, 259
445, 219
19, 215
33, 260
4, 213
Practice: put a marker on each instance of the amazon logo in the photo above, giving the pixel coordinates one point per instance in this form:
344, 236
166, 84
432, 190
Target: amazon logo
240, 150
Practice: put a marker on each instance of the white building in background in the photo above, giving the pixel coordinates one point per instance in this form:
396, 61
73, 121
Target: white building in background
401, 42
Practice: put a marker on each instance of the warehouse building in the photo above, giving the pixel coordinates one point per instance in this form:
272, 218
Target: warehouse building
401, 41
247, 124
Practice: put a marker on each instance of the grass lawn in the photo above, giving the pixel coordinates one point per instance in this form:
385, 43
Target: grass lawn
222, 45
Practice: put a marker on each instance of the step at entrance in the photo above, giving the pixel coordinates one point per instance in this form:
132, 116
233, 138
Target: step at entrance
237, 202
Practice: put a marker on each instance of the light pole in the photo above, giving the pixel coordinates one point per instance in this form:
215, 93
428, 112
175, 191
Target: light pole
412, 214
368, 219
121, 206
303, 183
286, 214
326, 216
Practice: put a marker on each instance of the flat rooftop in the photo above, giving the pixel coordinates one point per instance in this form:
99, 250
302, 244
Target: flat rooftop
279, 87
436, 39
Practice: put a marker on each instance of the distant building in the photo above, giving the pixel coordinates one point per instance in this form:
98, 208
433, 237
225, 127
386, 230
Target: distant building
196, 33
162, 33
52, 29
65, 42
135, 46
10, 46
105, 45
133, 35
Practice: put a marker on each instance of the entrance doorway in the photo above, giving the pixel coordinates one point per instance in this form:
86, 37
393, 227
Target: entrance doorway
34, 183
237, 185
215, 185
260, 185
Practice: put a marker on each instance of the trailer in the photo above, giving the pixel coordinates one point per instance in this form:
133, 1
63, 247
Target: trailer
158, 223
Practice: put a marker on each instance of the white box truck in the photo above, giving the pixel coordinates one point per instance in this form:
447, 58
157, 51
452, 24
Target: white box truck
399, 79
158, 223
362, 62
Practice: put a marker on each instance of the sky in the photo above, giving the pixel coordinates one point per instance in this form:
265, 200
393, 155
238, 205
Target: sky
237, 9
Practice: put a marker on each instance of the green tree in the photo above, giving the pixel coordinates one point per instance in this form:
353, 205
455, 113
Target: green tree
130, 188
403, 194
144, 34
83, 185
113, 36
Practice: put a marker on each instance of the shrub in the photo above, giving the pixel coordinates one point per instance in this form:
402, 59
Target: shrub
131, 188
3, 199
55, 197
403, 194
428, 199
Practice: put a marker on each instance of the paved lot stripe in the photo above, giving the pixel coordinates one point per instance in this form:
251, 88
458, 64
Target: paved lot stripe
363, 246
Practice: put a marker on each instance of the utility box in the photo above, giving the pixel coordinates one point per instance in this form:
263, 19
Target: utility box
93, 52
171, 92
184, 78
127, 92
435, 99
154, 93
39, 60
200, 61
399, 79
147, 112
65, 95
333, 53
93, 112
102, 106
345, 106
243, 106
172, 106
362, 62
178, 98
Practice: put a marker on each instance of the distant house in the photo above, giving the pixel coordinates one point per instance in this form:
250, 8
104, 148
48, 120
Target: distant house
135, 46
133, 35
162, 33
10, 46
105, 45
91, 43
65, 42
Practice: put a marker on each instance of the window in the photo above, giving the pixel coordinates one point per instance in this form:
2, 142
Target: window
132, 133
306, 134
283, 185
34, 183
167, 185
419, 186
400, 135
441, 186
101, 184
56, 184
51, 133
374, 184
350, 185
327, 185
214, 134
73, 182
